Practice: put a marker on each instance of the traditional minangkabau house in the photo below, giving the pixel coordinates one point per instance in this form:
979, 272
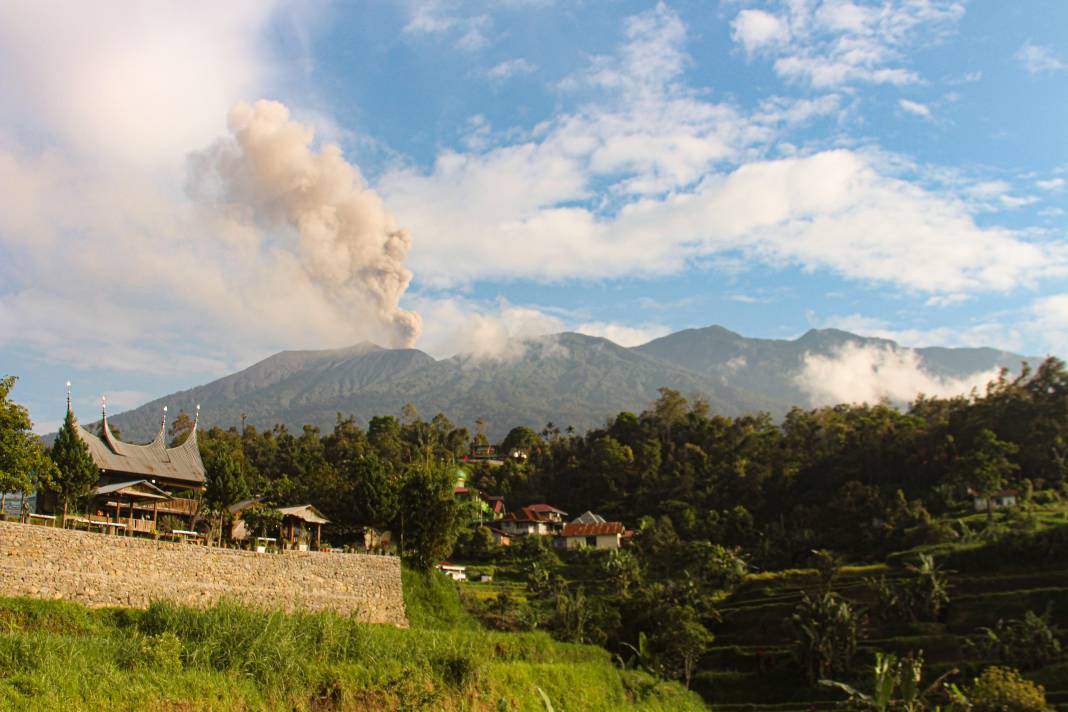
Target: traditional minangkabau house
140, 483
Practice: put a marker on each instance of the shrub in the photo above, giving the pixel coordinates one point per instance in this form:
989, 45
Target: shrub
827, 629
921, 597
161, 652
1028, 643
1001, 689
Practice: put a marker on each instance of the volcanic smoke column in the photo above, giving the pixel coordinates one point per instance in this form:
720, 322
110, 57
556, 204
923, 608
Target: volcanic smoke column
347, 242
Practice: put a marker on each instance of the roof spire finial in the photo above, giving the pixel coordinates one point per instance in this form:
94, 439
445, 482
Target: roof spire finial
68, 396
163, 421
197, 418
104, 405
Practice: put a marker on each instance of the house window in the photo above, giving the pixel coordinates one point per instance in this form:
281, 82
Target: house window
591, 541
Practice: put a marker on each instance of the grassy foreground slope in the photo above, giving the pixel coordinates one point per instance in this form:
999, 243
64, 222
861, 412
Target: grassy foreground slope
58, 655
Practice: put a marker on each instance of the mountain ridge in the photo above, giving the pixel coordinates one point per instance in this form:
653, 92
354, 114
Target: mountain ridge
566, 378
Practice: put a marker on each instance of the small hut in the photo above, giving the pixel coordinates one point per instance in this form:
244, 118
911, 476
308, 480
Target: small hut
299, 519
143, 493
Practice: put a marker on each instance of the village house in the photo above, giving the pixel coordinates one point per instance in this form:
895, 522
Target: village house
593, 531
453, 571
485, 454
1005, 499
534, 520
600, 535
500, 538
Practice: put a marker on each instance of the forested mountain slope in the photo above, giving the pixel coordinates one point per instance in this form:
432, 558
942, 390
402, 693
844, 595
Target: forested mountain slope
568, 379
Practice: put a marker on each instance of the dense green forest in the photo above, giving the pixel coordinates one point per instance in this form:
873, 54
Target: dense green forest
861, 480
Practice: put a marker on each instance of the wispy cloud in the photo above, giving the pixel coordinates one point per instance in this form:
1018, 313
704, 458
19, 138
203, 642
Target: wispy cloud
511, 68
869, 374
836, 42
681, 179
436, 17
1038, 59
624, 334
915, 108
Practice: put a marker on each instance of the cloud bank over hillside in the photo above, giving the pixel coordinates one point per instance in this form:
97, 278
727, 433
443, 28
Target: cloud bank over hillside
857, 373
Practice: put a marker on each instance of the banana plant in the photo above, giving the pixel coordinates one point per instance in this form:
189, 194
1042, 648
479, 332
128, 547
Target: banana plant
897, 686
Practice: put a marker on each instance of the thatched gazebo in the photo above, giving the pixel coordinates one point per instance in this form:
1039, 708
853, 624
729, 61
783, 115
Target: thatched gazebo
298, 518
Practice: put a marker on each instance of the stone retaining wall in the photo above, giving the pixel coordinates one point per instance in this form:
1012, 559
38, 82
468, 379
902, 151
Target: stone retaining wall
108, 570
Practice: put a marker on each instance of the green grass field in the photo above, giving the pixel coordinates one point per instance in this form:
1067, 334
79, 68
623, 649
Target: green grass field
56, 655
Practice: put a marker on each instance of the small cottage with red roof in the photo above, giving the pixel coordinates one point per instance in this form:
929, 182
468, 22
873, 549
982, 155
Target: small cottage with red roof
596, 535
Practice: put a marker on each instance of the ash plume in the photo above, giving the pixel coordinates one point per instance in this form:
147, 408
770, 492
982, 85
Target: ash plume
346, 241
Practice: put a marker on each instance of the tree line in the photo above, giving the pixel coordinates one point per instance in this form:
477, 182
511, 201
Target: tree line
850, 478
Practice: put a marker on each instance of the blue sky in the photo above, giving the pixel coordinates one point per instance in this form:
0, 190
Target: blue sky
624, 169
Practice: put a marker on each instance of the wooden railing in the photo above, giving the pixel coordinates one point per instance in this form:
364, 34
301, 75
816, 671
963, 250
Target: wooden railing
179, 506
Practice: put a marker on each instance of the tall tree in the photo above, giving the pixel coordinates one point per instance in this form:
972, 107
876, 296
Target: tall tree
384, 433
987, 466
77, 473
372, 492
226, 486
24, 466
428, 517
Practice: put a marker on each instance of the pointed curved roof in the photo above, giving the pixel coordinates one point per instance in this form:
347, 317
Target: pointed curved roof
181, 463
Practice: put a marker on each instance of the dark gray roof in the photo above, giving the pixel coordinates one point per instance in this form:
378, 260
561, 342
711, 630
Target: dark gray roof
155, 460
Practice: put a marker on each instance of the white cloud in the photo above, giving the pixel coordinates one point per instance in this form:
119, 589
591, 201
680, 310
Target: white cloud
1017, 201
624, 334
127, 80
656, 176
435, 17
946, 300
755, 29
829, 211
500, 330
915, 108
511, 68
1037, 59
749, 299
837, 42
989, 189
1051, 184
1049, 317
869, 374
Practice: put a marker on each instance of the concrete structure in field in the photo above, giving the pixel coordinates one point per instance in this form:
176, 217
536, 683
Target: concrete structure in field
103, 570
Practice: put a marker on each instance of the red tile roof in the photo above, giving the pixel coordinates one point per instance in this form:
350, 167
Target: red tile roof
544, 508
530, 514
598, 529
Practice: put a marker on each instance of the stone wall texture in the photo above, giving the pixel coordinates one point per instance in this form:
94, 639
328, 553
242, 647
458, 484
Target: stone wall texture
108, 570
